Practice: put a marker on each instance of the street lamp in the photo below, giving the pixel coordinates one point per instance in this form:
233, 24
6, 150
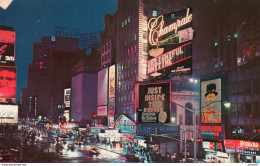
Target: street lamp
194, 111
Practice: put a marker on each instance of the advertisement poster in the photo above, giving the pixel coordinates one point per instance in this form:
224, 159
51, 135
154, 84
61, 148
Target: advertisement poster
242, 146
7, 84
211, 110
8, 114
67, 94
7, 47
111, 96
154, 102
170, 43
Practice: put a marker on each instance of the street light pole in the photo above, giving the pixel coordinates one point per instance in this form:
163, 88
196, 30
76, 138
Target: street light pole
195, 136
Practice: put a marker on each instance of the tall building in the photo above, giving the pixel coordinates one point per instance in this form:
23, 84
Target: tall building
84, 88
132, 47
48, 75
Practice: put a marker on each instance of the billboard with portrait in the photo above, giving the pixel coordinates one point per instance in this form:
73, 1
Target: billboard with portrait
7, 84
9, 114
7, 48
211, 117
154, 102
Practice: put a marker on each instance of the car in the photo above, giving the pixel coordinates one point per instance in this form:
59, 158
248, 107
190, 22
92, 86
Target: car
7, 158
71, 146
79, 142
94, 151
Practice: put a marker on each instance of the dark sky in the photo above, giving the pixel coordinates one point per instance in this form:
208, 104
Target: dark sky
33, 19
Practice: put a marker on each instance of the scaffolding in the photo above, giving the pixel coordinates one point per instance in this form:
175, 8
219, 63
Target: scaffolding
86, 40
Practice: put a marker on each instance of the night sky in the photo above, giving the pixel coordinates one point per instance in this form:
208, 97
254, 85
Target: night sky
33, 19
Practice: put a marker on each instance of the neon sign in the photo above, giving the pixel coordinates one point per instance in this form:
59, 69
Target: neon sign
7, 37
156, 29
167, 59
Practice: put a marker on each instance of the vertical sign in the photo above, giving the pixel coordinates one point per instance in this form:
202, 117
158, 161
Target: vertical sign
67, 94
212, 123
111, 94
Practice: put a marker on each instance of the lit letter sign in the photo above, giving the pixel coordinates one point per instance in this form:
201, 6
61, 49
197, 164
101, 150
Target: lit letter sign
156, 29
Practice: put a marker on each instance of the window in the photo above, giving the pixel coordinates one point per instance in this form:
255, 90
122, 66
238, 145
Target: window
188, 114
154, 13
122, 24
132, 50
228, 37
125, 21
128, 51
216, 43
129, 19
216, 65
235, 35
221, 62
135, 48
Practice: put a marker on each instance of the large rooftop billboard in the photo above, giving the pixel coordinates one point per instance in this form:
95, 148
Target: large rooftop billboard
7, 84
170, 43
9, 114
7, 48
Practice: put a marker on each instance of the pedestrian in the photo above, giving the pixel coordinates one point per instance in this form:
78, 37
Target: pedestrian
147, 156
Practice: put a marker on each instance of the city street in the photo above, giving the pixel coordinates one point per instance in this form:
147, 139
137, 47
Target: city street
81, 155
129, 81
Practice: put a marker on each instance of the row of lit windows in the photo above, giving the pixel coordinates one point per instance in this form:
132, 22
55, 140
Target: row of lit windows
126, 21
228, 38
127, 74
126, 98
126, 109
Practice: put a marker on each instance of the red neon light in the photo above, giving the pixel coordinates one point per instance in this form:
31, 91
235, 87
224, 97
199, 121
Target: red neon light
171, 64
211, 128
94, 115
7, 36
7, 82
174, 62
2, 49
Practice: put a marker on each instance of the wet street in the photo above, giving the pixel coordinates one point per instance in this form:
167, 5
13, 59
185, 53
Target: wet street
81, 155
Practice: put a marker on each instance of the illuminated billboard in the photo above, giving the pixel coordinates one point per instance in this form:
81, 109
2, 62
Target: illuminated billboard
7, 84
67, 115
102, 87
7, 48
242, 146
102, 111
170, 43
211, 115
154, 102
67, 94
111, 94
9, 114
